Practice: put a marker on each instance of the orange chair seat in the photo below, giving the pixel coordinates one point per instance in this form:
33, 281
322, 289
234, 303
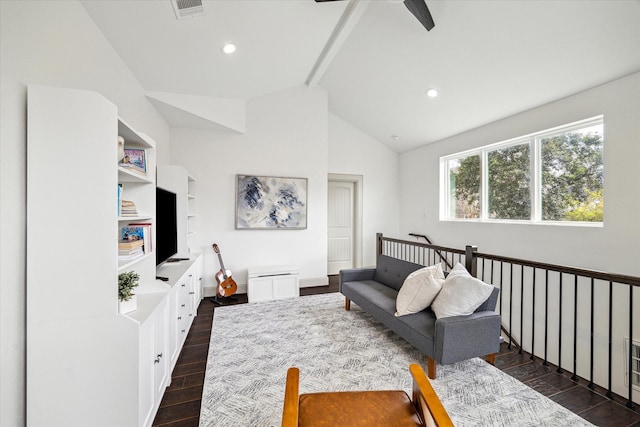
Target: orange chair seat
357, 408
386, 408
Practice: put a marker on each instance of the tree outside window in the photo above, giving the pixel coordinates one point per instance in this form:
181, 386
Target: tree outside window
509, 183
562, 182
573, 176
464, 187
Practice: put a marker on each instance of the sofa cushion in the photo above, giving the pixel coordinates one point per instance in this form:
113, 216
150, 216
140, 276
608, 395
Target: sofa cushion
393, 271
419, 290
461, 294
371, 293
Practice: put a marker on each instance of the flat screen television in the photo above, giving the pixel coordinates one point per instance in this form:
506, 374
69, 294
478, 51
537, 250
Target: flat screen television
166, 225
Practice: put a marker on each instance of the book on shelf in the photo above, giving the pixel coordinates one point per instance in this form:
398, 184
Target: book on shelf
128, 208
119, 199
135, 159
127, 252
140, 232
130, 257
147, 235
130, 244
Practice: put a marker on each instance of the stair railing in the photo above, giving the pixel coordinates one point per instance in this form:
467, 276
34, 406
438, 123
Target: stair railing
580, 320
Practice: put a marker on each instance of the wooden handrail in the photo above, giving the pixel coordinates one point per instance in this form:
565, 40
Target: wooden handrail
423, 236
596, 274
442, 257
424, 245
564, 286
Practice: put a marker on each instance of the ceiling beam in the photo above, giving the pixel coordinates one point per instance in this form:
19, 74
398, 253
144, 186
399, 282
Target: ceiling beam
348, 20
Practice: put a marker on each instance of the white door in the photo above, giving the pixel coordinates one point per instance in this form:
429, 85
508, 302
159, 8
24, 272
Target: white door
340, 226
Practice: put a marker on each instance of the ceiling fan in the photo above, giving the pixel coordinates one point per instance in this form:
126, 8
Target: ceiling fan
418, 8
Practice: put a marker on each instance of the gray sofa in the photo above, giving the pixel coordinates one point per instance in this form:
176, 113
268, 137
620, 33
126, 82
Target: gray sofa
446, 340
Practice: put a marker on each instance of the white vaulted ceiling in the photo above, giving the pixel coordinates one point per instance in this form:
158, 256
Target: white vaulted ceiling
489, 59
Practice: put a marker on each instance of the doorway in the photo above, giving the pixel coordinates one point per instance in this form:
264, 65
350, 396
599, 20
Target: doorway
344, 222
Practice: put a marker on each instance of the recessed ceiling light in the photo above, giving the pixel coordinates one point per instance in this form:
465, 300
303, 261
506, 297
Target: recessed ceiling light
432, 93
228, 48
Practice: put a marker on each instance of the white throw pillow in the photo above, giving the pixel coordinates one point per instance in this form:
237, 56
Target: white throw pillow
419, 289
461, 294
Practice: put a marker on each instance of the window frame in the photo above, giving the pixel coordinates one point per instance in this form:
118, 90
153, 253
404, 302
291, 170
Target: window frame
535, 152
445, 191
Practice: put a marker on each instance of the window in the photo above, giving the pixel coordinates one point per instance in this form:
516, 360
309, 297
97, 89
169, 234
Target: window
551, 176
464, 188
509, 188
572, 175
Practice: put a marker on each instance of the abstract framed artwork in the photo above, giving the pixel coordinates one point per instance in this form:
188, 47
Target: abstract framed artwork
269, 202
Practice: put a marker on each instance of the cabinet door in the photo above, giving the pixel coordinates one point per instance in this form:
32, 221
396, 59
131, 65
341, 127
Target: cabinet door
200, 279
260, 289
183, 310
154, 363
174, 325
285, 287
193, 303
162, 357
146, 390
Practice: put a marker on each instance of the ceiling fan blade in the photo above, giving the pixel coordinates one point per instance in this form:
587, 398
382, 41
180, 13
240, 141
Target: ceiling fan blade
421, 11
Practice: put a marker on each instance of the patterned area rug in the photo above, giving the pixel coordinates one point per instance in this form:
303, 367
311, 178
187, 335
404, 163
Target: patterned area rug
253, 345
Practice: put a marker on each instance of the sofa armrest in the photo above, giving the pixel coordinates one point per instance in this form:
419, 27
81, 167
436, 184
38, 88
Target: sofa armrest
463, 337
355, 275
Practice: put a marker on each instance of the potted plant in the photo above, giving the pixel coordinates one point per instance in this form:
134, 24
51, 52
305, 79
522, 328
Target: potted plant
127, 299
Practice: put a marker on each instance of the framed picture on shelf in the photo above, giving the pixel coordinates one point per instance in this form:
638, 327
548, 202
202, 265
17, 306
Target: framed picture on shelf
134, 159
269, 202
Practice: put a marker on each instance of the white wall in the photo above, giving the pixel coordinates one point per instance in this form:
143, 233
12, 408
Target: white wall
51, 43
289, 133
351, 151
286, 136
614, 247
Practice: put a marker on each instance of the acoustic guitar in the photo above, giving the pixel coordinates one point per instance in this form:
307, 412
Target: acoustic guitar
226, 285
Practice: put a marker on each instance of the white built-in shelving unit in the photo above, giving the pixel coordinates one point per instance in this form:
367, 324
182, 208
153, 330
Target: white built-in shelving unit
178, 180
87, 364
139, 188
191, 212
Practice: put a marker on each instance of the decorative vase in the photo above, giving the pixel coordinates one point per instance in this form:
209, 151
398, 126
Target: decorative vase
120, 148
128, 306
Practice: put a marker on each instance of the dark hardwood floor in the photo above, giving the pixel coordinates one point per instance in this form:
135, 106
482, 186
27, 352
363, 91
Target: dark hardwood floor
180, 406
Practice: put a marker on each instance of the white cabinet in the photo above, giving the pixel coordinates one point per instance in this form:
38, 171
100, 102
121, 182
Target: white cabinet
268, 283
154, 369
184, 299
199, 281
147, 387
160, 356
185, 309
87, 364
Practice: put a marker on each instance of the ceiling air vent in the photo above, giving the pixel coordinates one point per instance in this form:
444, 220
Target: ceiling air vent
187, 8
